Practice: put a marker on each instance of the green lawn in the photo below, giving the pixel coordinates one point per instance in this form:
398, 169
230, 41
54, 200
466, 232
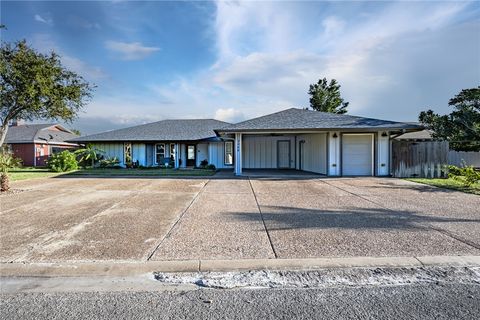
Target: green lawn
448, 184
142, 172
31, 173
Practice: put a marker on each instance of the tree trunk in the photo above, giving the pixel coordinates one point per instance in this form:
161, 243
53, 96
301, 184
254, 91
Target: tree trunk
3, 133
4, 182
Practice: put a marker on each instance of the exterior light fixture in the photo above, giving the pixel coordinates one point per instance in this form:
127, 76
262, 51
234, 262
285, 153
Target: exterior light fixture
384, 134
335, 135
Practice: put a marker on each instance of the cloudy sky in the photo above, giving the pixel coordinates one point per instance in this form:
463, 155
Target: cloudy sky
236, 60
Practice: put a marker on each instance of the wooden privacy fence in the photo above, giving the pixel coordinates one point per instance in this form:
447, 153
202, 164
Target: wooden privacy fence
424, 159
470, 158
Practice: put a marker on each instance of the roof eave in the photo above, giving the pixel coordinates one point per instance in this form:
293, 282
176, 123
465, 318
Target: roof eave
367, 129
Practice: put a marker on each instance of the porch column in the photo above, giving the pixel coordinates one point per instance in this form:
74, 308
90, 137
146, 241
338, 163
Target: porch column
238, 154
177, 155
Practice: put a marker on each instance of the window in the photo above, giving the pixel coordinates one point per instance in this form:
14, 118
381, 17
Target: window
159, 153
228, 152
191, 152
172, 151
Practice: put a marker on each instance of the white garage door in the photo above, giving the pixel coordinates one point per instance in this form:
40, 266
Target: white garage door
357, 158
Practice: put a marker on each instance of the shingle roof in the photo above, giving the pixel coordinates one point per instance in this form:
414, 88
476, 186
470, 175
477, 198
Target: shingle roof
419, 135
165, 130
29, 133
300, 119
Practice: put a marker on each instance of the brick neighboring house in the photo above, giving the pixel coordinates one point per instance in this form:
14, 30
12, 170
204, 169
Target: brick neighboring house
34, 143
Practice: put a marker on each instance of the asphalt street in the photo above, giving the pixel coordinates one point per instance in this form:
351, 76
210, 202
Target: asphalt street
416, 301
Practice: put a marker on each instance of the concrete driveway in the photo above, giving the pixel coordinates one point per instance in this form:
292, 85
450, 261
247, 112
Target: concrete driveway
91, 219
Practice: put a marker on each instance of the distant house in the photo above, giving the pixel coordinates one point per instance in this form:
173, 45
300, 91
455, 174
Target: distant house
424, 135
324, 143
34, 143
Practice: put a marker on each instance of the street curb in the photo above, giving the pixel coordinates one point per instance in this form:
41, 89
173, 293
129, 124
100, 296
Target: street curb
73, 269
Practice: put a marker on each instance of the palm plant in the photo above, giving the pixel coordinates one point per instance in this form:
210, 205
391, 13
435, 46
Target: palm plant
89, 153
7, 162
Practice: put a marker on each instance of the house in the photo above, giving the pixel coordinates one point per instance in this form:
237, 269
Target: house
34, 143
324, 143
178, 143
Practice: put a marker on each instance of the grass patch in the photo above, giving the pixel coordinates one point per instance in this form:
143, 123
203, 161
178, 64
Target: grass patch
448, 184
142, 172
31, 173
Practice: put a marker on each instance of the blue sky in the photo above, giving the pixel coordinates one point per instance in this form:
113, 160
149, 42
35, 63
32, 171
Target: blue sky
235, 60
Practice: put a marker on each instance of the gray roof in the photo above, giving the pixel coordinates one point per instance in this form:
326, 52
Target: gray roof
41, 133
304, 120
165, 130
419, 135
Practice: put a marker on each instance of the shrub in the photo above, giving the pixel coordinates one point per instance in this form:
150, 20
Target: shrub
467, 175
63, 161
211, 167
109, 163
7, 162
204, 163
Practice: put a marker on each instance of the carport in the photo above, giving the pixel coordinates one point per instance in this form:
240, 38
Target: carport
317, 142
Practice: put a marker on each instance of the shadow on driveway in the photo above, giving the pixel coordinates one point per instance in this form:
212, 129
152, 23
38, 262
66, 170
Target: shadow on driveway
286, 218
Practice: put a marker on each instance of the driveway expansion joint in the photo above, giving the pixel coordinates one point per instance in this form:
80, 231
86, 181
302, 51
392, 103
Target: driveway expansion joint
182, 214
263, 220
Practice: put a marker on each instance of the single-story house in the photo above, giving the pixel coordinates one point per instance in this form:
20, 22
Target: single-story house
424, 135
34, 143
319, 142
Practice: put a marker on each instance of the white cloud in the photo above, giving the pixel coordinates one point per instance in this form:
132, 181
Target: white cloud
132, 50
229, 115
45, 20
392, 61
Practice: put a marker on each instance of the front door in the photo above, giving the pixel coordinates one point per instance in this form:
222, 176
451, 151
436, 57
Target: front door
191, 155
283, 154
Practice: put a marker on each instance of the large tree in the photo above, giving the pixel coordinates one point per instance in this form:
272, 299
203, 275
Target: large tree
326, 97
462, 126
37, 86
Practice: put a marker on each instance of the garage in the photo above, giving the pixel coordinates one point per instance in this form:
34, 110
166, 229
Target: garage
357, 154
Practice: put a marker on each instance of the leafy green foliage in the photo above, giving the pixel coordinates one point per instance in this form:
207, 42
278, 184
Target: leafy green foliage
62, 161
89, 153
8, 161
326, 97
37, 86
467, 175
462, 126
109, 163
76, 131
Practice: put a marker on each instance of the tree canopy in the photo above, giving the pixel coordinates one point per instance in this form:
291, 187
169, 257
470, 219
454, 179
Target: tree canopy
326, 97
37, 86
462, 126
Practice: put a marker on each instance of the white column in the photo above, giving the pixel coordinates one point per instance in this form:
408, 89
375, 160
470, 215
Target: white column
238, 154
383, 153
334, 165
177, 155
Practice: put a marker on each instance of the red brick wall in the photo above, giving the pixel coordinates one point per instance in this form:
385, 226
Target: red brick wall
24, 151
27, 151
